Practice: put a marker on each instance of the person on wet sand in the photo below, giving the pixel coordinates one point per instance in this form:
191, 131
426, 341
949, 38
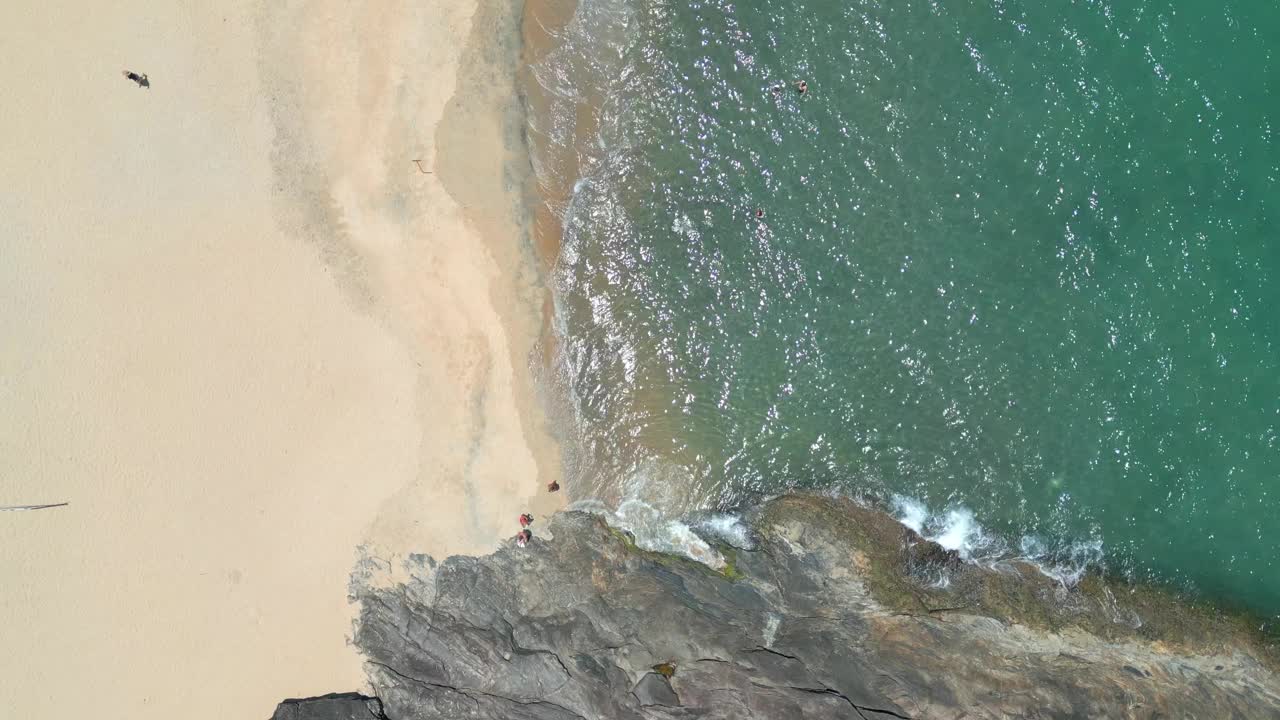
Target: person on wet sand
523, 537
526, 520
553, 486
142, 80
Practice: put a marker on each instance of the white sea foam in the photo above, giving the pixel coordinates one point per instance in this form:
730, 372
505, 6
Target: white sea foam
659, 531
910, 512
961, 532
653, 531
1067, 564
956, 528
727, 527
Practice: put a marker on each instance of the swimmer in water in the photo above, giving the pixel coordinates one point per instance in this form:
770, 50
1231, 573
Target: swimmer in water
802, 86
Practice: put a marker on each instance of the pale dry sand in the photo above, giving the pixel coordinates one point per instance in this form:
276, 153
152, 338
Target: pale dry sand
242, 335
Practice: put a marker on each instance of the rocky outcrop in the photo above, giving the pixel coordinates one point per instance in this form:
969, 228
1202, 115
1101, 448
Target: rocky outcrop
337, 706
836, 611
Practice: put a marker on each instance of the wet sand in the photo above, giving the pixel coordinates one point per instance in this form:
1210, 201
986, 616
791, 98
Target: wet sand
245, 335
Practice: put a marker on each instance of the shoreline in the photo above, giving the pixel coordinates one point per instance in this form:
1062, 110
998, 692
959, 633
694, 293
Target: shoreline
700, 538
562, 124
538, 25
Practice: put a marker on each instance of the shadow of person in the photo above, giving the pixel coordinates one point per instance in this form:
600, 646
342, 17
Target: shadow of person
140, 79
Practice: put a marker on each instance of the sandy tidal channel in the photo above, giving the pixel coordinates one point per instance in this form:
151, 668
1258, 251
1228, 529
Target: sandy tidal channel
244, 334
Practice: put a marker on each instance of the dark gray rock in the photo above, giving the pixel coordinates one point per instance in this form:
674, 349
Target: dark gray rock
653, 689
826, 618
337, 706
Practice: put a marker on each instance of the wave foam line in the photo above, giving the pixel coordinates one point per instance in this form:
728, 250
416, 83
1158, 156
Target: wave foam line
956, 528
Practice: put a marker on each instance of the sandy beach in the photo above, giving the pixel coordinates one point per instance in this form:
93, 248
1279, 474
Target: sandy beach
246, 335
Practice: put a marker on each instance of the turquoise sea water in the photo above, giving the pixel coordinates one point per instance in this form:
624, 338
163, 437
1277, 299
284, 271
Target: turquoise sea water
1017, 269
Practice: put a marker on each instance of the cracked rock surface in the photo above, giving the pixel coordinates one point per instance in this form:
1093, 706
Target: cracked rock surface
835, 613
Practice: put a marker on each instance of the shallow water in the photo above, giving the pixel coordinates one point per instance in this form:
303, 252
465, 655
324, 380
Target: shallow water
1015, 265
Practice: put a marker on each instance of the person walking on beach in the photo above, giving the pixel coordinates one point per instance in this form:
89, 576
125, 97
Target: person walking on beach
142, 80
526, 520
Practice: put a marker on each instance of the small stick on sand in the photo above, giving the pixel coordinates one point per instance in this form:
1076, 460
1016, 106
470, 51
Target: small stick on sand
4, 508
424, 172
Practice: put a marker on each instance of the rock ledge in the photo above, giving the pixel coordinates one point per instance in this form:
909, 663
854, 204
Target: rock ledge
836, 613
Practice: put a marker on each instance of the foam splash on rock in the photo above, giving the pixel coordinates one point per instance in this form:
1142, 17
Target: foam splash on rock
956, 528
726, 527
652, 530
1067, 564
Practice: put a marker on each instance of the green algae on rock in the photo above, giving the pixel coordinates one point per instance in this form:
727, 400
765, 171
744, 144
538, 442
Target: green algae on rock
900, 569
